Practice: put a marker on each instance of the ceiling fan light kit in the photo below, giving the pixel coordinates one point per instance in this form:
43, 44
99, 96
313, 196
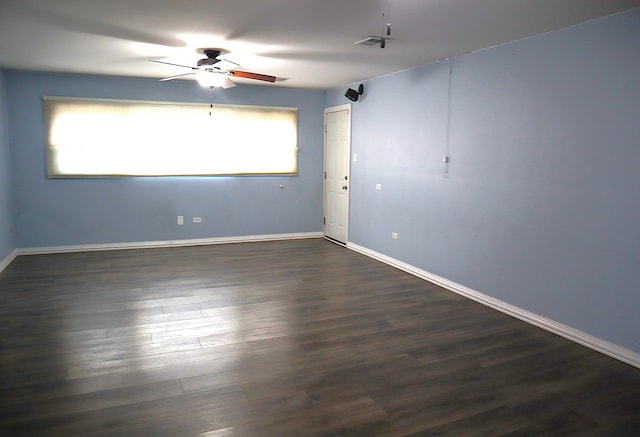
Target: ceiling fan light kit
213, 79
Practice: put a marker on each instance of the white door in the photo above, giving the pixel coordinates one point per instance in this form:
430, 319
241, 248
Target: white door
337, 145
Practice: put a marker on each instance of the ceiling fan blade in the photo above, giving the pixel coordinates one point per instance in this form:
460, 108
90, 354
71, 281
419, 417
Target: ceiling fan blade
176, 76
170, 63
227, 83
225, 65
255, 76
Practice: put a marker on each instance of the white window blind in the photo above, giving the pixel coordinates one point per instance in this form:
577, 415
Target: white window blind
98, 138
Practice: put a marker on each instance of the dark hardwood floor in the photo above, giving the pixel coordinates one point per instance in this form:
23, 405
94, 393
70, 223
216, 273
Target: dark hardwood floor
293, 338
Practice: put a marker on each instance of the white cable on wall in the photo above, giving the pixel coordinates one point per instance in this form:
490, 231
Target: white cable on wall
446, 159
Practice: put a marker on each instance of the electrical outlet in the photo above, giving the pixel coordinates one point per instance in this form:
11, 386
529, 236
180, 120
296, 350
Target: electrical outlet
378, 186
394, 235
180, 220
197, 219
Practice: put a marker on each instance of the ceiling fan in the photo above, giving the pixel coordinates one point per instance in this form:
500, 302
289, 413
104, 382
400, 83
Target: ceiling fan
215, 72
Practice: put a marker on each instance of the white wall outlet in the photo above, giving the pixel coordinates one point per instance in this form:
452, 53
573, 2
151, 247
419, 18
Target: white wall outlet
355, 157
197, 219
180, 220
394, 235
378, 186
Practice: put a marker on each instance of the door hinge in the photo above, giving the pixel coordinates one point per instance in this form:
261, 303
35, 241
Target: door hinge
325, 174
324, 220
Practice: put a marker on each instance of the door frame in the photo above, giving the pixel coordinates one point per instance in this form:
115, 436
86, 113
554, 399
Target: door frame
327, 111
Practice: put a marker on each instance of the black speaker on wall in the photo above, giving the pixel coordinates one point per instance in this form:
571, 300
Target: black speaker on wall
353, 95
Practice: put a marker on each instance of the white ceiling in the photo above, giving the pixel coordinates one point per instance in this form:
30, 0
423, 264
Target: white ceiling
308, 41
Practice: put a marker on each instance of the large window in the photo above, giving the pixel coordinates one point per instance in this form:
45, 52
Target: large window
96, 138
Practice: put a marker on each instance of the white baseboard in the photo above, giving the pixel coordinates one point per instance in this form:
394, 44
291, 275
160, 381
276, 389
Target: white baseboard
603, 346
167, 243
7, 259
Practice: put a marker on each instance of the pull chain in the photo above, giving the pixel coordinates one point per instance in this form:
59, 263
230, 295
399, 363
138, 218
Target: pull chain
210, 100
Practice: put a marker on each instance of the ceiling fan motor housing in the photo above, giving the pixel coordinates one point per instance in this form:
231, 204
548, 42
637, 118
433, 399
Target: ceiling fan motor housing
207, 62
211, 57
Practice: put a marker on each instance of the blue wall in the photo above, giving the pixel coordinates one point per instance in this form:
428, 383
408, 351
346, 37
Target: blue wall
541, 207
7, 238
52, 212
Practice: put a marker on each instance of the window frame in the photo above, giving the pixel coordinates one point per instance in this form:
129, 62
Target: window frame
205, 129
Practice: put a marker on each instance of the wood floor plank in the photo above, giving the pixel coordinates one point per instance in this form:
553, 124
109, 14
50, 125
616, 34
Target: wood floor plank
282, 339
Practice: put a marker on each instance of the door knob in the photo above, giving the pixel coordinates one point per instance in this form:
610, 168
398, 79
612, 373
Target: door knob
346, 178
344, 187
